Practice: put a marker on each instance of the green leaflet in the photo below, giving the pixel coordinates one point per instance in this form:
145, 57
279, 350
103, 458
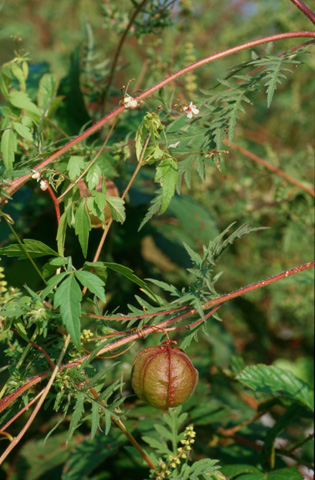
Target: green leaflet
201, 469
22, 100
273, 71
76, 416
155, 207
52, 283
68, 297
62, 229
166, 175
278, 383
82, 225
128, 273
23, 130
47, 90
35, 248
289, 473
117, 208
8, 147
95, 419
75, 165
92, 282
93, 176
232, 471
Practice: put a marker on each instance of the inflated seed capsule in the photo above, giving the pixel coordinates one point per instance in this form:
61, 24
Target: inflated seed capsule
163, 376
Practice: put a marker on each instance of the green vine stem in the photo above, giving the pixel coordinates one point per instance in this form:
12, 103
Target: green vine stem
16, 184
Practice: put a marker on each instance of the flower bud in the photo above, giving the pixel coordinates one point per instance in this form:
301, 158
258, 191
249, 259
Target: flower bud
163, 376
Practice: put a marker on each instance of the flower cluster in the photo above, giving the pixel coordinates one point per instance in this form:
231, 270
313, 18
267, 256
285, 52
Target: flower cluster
191, 111
164, 469
42, 182
130, 102
190, 77
86, 335
38, 313
3, 283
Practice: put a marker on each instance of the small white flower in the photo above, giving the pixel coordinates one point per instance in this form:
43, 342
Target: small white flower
191, 110
36, 175
174, 145
130, 102
43, 185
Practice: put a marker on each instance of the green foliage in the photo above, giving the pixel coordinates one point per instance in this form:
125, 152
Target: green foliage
144, 227
175, 464
35, 248
277, 382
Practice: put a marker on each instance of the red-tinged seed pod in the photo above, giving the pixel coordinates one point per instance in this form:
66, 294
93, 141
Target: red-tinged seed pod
163, 376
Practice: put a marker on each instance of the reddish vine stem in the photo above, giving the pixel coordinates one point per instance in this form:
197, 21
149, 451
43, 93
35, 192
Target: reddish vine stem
6, 401
16, 184
228, 432
136, 317
198, 322
272, 168
41, 400
55, 201
305, 9
19, 413
39, 348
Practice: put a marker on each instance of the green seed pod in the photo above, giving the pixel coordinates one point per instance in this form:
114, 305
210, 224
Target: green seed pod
163, 376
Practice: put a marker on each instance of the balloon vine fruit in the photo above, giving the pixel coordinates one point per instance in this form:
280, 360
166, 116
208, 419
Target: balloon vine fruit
163, 376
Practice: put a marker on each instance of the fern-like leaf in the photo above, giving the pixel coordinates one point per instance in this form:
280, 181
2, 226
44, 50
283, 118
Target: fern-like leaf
273, 72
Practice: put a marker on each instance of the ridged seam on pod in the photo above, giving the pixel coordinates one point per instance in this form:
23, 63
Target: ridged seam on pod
163, 376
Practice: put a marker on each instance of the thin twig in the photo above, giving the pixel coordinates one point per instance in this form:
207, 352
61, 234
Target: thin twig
271, 167
45, 392
108, 225
122, 427
117, 53
305, 9
6, 425
228, 432
36, 346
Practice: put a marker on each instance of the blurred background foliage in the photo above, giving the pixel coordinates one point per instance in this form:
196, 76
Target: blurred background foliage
76, 40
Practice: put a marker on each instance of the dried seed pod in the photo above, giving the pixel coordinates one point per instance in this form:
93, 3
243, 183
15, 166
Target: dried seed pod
163, 376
